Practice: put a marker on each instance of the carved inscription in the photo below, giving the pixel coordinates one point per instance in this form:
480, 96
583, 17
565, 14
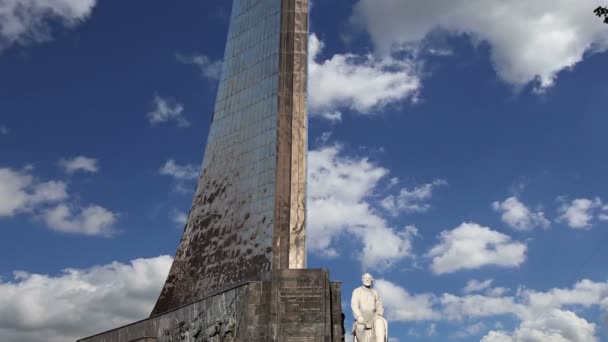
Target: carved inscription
302, 299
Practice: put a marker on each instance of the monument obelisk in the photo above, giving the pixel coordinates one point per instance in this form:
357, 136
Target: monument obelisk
239, 273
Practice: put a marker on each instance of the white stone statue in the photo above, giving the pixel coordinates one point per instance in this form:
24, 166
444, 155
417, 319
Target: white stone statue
370, 325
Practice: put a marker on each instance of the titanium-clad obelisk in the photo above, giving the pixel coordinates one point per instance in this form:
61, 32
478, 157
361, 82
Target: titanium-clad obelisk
248, 213
239, 273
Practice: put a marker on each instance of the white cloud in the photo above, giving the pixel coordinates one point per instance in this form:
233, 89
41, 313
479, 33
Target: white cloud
496, 291
529, 40
92, 220
458, 308
4, 130
360, 83
166, 111
412, 201
540, 316
79, 303
579, 213
584, 293
339, 205
472, 329
603, 216
21, 192
474, 285
79, 163
208, 68
516, 215
180, 172
471, 246
543, 316
400, 305
497, 336
555, 326
178, 217
334, 116
23, 21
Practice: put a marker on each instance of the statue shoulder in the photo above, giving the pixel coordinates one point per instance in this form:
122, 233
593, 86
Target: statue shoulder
357, 290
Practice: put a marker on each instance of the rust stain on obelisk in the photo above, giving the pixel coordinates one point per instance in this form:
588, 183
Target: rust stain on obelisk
248, 212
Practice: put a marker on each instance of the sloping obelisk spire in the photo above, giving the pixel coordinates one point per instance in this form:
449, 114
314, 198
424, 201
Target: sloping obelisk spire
248, 212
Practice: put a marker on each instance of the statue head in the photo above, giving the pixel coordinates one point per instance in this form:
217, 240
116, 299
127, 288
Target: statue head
367, 280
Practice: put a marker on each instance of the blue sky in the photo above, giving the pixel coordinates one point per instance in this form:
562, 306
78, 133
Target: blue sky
456, 151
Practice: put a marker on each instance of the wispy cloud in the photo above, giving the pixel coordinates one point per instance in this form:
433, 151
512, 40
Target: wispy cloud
165, 111
179, 172
209, 69
412, 200
475, 285
4, 130
79, 163
178, 217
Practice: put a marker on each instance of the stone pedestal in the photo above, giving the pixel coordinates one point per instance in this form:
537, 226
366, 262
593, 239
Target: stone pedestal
285, 306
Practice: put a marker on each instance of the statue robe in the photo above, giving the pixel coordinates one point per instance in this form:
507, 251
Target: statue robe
365, 302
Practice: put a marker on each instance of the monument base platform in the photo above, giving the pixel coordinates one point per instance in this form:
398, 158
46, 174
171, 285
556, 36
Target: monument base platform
286, 306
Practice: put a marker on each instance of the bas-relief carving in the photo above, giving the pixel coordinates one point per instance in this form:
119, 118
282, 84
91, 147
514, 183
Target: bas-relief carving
248, 211
218, 322
368, 311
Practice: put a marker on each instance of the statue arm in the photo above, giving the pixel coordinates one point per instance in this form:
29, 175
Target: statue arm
379, 306
354, 304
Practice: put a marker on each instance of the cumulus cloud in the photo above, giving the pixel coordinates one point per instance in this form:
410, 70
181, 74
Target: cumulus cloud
458, 308
165, 111
364, 84
471, 246
555, 326
92, 220
516, 215
414, 200
543, 316
209, 69
24, 21
539, 315
339, 205
400, 305
179, 172
21, 192
79, 302
585, 293
530, 41
79, 163
579, 213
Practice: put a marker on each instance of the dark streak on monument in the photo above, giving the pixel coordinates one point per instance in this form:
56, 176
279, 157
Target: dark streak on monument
239, 271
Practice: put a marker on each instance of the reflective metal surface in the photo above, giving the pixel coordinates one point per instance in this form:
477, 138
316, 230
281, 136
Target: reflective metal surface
248, 210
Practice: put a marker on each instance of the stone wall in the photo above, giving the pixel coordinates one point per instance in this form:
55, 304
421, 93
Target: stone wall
286, 306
